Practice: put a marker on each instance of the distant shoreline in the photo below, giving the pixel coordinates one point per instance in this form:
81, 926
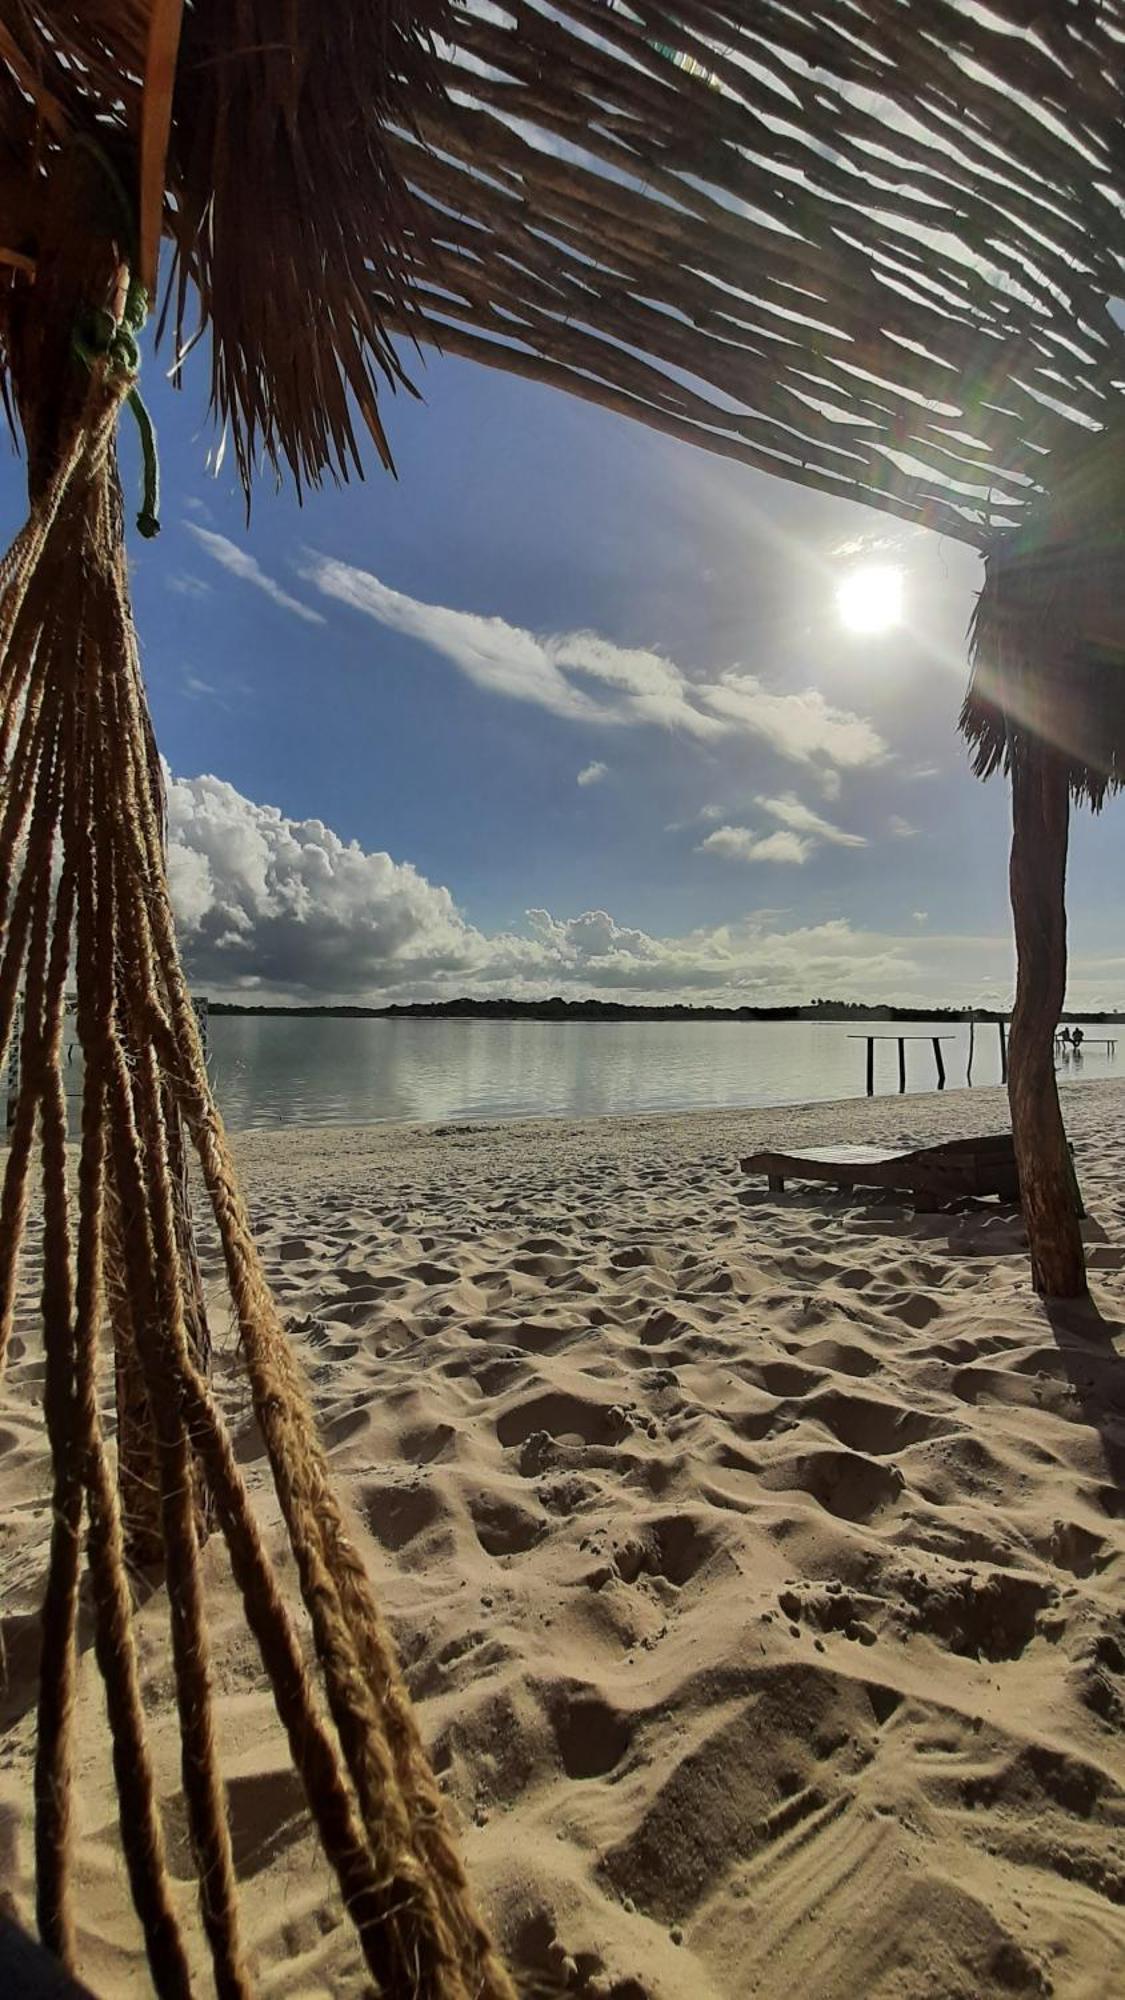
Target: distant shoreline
609, 1010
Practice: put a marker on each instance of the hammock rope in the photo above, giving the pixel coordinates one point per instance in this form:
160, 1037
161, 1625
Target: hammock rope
83, 891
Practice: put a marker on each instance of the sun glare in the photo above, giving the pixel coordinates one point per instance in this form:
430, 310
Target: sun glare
869, 599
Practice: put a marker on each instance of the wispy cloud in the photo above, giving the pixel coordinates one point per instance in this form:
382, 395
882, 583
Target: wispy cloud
187, 585
592, 774
741, 843
798, 726
197, 689
901, 828
241, 564
793, 813
588, 678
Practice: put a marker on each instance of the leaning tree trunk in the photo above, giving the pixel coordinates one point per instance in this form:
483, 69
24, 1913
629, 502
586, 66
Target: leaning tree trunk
1040, 821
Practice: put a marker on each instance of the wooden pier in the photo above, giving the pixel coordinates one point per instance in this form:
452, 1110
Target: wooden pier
935, 1041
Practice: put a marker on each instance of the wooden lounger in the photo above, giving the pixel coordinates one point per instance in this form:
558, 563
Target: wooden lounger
932, 1174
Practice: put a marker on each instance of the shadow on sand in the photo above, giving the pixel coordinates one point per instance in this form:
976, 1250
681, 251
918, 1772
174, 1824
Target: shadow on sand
1091, 1347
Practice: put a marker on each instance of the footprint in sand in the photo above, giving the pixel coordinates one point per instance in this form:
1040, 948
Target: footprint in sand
397, 1514
844, 1482
867, 1424
503, 1527
591, 1737
564, 1417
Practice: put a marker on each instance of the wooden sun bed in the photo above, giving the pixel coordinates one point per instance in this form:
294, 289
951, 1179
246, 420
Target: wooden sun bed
932, 1174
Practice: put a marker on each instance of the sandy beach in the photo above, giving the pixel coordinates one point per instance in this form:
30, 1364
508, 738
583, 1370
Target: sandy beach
757, 1562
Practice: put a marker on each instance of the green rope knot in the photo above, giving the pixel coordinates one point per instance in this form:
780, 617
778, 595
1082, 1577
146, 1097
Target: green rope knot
99, 337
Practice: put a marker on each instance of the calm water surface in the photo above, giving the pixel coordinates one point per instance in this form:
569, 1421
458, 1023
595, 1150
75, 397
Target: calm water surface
324, 1072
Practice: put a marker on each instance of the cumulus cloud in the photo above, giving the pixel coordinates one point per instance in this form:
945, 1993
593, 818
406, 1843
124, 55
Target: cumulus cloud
801, 832
793, 813
587, 678
285, 905
741, 843
242, 564
592, 774
273, 908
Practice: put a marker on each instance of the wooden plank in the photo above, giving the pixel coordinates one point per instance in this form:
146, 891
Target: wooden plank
164, 26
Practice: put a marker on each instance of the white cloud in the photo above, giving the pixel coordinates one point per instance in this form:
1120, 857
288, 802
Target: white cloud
741, 843
587, 678
592, 774
791, 811
799, 726
284, 909
243, 565
802, 832
288, 906
187, 585
921, 916
901, 828
488, 651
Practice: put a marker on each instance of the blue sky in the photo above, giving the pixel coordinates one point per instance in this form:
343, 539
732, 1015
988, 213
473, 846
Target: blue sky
568, 707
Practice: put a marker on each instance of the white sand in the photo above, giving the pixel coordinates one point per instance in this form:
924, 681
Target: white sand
758, 1562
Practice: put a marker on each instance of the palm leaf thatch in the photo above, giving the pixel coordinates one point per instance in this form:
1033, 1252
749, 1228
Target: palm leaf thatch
870, 246
1047, 641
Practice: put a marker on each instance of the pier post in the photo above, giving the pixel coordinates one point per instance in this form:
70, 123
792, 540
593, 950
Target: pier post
972, 1045
901, 1064
939, 1062
870, 1065
1003, 1053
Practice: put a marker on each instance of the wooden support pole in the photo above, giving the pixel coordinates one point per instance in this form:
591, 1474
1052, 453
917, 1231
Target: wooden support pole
870, 1065
940, 1064
972, 1046
1003, 1053
1040, 822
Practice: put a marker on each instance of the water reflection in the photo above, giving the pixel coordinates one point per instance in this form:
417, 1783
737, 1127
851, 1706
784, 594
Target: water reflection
319, 1072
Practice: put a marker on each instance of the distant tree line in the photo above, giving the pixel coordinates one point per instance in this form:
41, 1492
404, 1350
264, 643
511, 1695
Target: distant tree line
558, 1009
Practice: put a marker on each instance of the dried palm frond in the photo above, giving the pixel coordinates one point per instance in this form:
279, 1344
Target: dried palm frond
870, 250
1047, 640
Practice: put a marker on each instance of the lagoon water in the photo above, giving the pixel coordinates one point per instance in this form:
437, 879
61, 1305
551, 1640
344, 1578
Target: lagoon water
303, 1071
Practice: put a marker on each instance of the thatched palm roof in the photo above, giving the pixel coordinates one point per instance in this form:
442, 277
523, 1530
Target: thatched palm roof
1048, 633
865, 245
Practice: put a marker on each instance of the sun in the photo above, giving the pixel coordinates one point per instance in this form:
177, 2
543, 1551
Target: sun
869, 599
